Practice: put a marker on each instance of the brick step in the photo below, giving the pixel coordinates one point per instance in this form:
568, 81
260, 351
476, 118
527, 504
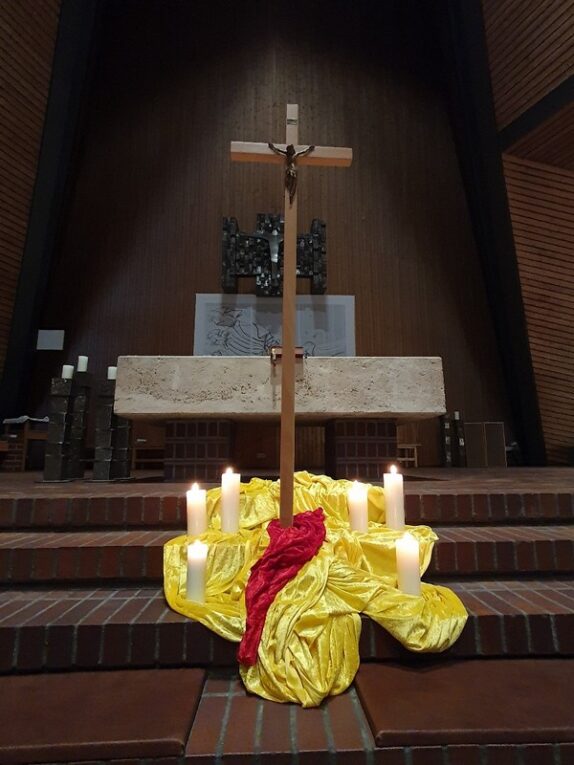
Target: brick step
136, 556
439, 508
503, 550
162, 506
127, 718
505, 618
98, 717
520, 705
97, 511
88, 556
104, 628
166, 717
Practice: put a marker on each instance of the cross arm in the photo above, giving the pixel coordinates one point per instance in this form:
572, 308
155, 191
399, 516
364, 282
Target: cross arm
249, 151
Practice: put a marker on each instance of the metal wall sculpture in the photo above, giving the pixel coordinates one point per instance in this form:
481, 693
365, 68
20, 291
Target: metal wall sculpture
260, 254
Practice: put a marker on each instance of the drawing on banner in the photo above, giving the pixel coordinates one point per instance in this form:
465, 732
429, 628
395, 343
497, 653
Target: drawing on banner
246, 325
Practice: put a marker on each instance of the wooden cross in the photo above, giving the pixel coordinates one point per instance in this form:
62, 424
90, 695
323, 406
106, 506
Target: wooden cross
334, 156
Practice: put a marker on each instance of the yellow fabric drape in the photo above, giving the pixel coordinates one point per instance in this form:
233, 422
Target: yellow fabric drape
310, 643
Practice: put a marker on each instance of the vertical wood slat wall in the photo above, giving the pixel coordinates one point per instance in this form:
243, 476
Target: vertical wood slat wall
28, 31
552, 143
530, 49
541, 199
142, 231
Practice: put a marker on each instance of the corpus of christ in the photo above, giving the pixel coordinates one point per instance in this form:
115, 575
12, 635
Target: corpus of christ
304, 493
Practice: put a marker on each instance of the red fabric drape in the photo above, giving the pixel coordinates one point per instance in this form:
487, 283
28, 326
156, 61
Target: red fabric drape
289, 549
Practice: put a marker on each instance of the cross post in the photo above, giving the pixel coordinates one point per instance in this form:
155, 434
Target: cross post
282, 154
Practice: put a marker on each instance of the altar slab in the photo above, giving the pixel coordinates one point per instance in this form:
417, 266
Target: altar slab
249, 387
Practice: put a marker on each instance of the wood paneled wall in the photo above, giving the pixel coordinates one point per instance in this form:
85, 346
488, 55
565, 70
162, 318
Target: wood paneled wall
175, 82
28, 31
530, 49
552, 143
541, 201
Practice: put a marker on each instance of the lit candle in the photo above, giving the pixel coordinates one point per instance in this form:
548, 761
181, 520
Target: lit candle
357, 503
196, 511
82, 363
68, 371
230, 501
394, 499
112, 373
408, 564
196, 565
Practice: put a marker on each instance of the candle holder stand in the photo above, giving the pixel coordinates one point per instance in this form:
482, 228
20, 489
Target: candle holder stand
58, 444
112, 459
80, 408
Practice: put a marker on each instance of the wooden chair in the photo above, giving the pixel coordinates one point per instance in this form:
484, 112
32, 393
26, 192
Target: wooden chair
16, 444
408, 455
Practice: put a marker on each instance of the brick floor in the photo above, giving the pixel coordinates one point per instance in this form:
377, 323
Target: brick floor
231, 724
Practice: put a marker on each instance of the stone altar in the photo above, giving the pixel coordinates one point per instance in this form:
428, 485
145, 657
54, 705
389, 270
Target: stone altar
249, 387
201, 397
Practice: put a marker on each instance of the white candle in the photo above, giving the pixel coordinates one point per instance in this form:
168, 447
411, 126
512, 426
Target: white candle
357, 502
82, 363
196, 565
68, 371
196, 511
112, 373
408, 564
394, 499
230, 501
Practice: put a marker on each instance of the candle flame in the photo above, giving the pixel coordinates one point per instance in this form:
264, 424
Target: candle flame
229, 471
194, 487
393, 469
356, 484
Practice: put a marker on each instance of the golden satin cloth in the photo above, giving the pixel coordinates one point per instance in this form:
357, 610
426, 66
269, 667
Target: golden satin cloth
310, 643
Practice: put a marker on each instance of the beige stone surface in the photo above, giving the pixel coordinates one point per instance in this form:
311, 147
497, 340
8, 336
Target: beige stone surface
245, 387
249, 387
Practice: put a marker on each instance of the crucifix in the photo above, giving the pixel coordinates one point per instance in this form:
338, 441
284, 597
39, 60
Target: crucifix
291, 155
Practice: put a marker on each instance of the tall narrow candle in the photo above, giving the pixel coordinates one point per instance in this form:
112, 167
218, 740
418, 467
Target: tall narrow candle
196, 565
196, 511
68, 371
230, 501
408, 564
82, 363
394, 499
112, 373
357, 502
